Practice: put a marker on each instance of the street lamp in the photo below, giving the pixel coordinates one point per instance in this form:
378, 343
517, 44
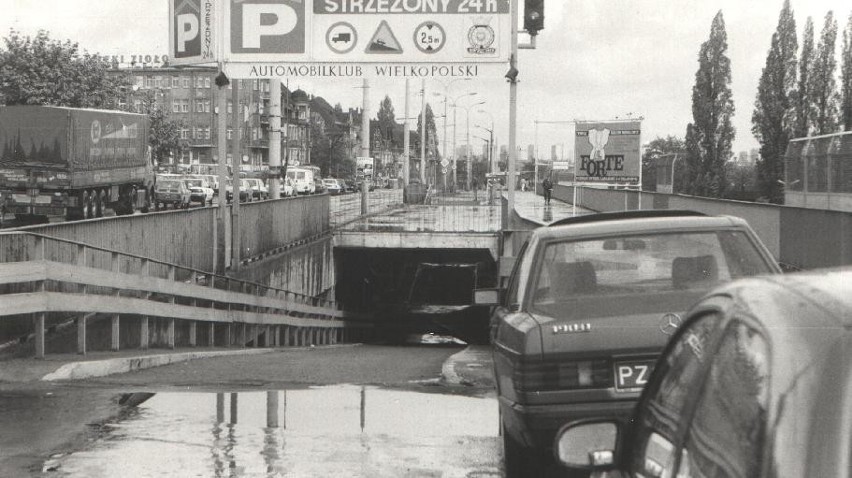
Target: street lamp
467, 147
491, 143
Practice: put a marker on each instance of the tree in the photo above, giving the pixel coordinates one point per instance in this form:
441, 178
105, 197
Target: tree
41, 71
431, 132
846, 77
804, 114
657, 148
710, 135
822, 83
772, 123
387, 122
163, 132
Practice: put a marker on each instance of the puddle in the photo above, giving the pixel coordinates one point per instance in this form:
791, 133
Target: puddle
315, 432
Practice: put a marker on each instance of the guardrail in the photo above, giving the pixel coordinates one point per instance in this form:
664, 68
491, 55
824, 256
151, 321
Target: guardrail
45, 277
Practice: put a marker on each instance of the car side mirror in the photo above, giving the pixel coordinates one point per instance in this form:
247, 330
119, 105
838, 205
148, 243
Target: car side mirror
587, 445
486, 296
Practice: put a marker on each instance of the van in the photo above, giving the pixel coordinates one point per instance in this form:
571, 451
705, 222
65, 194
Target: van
303, 180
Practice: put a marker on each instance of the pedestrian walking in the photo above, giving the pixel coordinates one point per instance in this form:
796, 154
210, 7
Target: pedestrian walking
546, 186
474, 184
523, 184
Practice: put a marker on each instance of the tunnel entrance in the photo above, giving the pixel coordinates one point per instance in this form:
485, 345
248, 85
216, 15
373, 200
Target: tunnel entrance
417, 291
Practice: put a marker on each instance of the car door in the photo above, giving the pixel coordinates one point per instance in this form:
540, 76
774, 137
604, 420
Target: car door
726, 433
659, 422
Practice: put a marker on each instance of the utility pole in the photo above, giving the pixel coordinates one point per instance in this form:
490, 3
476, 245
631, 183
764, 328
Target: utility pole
235, 166
423, 132
275, 138
406, 141
365, 143
222, 150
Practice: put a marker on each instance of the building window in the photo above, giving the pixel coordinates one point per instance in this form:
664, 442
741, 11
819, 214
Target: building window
207, 82
184, 133
206, 133
230, 107
122, 103
175, 82
175, 106
149, 82
230, 133
206, 106
186, 82
184, 106
255, 84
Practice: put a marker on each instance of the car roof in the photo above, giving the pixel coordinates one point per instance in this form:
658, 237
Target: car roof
830, 289
608, 223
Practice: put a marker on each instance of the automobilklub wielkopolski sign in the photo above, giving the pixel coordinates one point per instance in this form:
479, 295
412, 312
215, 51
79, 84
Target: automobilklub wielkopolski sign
345, 38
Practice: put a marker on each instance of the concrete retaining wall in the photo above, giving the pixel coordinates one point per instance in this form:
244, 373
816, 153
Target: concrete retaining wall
806, 238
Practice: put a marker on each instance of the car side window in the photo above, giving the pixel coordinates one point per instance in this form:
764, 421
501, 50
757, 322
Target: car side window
725, 436
663, 405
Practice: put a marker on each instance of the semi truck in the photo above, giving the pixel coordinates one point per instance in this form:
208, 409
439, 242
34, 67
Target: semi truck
73, 162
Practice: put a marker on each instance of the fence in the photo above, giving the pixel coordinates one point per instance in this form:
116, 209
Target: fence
52, 278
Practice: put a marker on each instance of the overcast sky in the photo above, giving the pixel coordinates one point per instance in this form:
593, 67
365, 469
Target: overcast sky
595, 60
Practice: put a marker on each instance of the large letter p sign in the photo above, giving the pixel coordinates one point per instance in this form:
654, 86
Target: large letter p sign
187, 30
266, 20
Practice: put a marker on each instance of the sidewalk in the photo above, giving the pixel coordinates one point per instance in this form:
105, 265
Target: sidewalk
99, 364
531, 207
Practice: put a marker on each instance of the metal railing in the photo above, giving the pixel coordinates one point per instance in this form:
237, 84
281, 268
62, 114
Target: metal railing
46, 277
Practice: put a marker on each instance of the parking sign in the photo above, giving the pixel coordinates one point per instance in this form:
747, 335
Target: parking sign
192, 31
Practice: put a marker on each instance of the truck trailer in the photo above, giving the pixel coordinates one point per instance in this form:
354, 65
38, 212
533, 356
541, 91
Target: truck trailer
73, 162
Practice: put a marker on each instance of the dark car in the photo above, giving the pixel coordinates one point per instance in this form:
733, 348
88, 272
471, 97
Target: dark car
590, 305
756, 383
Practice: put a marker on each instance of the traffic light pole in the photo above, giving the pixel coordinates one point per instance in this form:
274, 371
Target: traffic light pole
513, 118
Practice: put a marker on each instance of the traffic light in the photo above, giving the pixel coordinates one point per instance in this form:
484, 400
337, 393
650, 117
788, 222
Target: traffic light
533, 16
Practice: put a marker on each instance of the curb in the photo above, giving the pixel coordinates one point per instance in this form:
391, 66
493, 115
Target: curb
102, 368
472, 369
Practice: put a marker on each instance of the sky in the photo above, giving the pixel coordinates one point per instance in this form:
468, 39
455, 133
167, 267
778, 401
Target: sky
595, 60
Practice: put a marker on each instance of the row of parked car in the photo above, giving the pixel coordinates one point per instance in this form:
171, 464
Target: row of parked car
669, 344
184, 190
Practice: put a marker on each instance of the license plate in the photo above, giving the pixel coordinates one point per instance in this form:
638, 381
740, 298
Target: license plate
633, 375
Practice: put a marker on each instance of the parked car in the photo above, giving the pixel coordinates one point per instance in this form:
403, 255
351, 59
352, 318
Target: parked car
319, 186
756, 383
171, 191
199, 191
259, 191
590, 304
303, 180
332, 186
244, 191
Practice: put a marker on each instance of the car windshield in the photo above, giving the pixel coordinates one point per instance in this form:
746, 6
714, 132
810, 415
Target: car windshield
632, 266
195, 183
168, 185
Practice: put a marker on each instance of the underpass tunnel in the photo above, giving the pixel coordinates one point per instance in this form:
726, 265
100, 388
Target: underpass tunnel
413, 291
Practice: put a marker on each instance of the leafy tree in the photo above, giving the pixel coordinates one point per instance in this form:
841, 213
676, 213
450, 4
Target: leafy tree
743, 180
657, 148
387, 122
772, 123
822, 85
329, 146
42, 71
846, 77
163, 132
804, 114
710, 136
431, 133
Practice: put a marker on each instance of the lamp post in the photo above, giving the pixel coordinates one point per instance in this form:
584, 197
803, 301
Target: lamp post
491, 147
467, 146
446, 95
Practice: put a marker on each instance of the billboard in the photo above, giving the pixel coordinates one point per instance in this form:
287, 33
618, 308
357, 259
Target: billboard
192, 31
608, 152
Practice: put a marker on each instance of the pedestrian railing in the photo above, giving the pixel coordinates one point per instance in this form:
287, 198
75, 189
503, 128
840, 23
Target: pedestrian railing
50, 279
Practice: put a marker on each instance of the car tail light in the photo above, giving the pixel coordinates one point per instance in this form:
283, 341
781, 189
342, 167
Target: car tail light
563, 375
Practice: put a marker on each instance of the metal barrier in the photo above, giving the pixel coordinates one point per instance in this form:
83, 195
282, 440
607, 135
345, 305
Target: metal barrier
43, 275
